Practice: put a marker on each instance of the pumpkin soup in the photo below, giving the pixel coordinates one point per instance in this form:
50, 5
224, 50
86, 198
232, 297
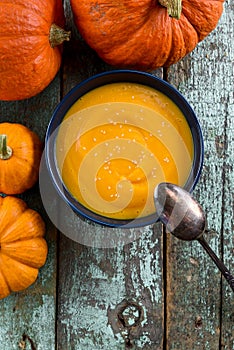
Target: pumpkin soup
116, 143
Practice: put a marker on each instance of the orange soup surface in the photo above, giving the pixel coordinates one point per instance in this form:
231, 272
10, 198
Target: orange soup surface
116, 143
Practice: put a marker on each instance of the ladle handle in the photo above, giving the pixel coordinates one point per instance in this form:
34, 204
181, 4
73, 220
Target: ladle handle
226, 273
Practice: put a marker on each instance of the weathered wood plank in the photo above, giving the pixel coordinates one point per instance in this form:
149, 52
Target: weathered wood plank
96, 284
28, 318
227, 321
205, 78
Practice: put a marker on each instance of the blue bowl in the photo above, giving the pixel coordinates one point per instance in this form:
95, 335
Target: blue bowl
97, 81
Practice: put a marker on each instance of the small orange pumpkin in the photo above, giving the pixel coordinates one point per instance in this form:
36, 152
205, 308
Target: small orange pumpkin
20, 155
23, 250
145, 34
31, 35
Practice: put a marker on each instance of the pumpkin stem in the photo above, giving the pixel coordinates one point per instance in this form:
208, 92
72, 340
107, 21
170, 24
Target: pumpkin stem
174, 7
58, 35
5, 151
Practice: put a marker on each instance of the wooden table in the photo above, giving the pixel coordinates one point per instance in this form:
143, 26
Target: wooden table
156, 292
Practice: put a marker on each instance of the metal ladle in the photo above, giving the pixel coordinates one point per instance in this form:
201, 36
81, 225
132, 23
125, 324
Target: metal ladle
184, 218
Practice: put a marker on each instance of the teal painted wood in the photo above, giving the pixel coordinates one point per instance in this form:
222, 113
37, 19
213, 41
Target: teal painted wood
227, 324
96, 284
28, 318
196, 301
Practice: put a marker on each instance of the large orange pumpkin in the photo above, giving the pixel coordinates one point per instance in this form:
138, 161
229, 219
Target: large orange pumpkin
23, 250
143, 34
30, 50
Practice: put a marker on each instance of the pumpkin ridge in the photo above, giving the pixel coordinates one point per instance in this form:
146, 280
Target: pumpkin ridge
171, 55
20, 240
35, 220
11, 199
4, 277
21, 282
15, 258
191, 26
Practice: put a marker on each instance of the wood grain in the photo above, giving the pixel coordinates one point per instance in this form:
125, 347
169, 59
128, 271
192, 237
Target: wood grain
28, 318
196, 299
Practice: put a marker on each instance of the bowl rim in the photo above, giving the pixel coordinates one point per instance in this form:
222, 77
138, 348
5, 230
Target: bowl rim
108, 77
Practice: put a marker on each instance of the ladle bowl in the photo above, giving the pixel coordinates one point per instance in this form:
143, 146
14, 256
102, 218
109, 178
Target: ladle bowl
183, 216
